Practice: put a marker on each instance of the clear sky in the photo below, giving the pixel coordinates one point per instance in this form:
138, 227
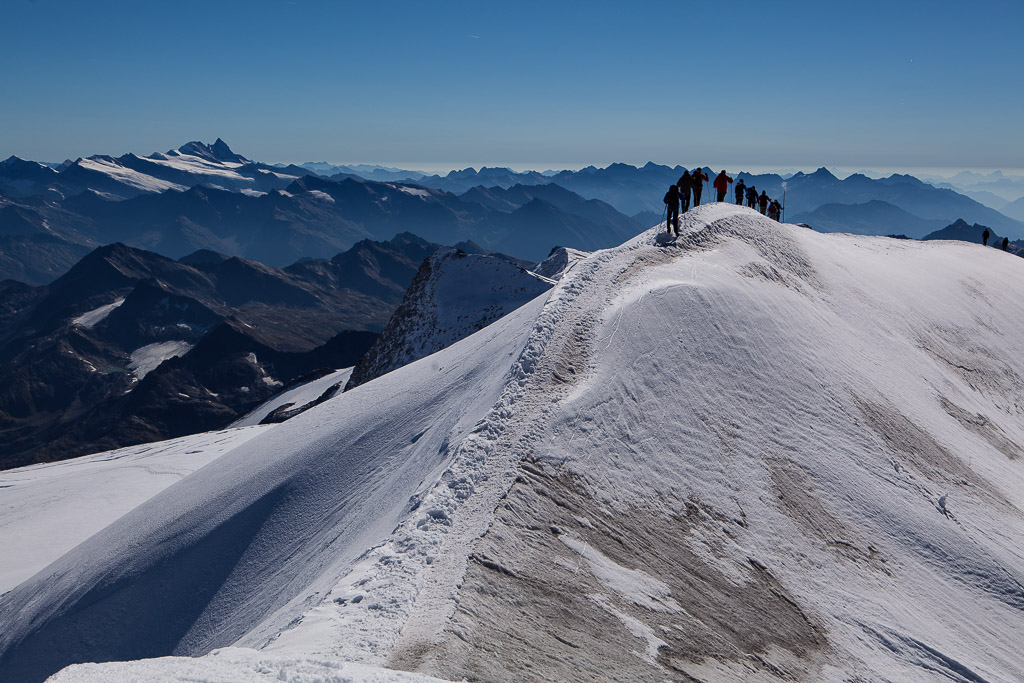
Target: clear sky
548, 84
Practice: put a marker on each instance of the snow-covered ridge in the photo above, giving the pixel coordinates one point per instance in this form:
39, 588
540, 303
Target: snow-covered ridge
559, 262
754, 452
127, 176
192, 164
453, 295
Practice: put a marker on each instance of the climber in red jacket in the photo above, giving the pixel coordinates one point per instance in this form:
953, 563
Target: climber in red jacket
721, 184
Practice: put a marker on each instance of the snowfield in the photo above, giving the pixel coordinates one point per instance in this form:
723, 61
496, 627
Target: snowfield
130, 177
756, 452
147, 358
93, 317
46, 510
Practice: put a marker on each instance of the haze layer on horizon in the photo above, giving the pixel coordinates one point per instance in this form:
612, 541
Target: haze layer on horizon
874, 85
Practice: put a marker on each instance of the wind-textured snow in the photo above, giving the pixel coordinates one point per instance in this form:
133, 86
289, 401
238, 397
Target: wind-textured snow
321, 195
45, 510
719, 458
191, 163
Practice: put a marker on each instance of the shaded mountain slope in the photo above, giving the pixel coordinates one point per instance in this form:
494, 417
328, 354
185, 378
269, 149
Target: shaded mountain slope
80, 359
866, 219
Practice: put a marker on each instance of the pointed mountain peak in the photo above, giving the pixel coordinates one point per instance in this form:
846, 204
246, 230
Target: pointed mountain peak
221, 150
16, 164
823, 174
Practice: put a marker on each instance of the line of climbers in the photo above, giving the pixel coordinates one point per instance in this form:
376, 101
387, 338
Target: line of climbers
693, 183
984, 240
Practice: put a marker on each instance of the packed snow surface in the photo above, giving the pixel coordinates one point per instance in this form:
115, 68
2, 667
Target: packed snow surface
48, 509
93, 317
755, 452
237, 665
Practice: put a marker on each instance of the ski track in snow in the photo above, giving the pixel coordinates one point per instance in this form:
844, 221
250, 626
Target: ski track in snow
816, 433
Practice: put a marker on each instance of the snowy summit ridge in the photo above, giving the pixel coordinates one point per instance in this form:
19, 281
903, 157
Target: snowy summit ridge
757, 452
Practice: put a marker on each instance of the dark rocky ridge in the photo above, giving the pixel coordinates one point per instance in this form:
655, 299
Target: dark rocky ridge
67, 389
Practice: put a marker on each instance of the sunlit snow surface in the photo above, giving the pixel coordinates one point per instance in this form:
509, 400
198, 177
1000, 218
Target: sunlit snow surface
296, 396
130, 177
720, 458
45, 510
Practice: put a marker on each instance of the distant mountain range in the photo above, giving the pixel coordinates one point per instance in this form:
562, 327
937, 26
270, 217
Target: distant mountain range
206, 196
638, 192
964, 232
123, 177
994, 189
868, 218
129, 346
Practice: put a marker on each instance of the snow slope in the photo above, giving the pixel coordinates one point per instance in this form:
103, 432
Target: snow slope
45, 510
127, 176
238, 552
93, 317
296, 396
754, 453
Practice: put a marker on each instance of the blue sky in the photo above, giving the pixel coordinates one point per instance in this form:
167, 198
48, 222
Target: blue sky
888, 85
